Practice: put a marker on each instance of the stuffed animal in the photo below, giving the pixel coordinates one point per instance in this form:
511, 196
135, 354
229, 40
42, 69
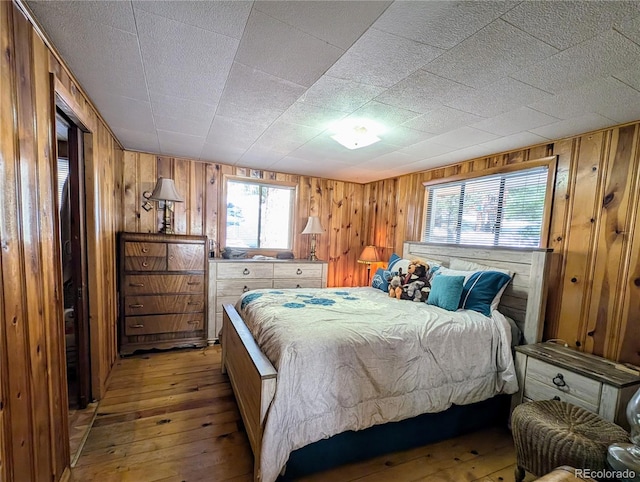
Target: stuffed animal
395, 285
417, 284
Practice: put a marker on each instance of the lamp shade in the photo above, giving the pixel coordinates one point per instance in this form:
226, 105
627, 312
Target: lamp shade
369, 255
165, 190
313, 226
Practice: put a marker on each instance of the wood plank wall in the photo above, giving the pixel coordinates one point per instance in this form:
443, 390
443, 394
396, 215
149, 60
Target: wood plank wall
338, 204
33, 395
594, 293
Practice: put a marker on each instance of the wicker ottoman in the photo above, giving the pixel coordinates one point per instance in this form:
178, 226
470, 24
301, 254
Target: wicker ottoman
550, 433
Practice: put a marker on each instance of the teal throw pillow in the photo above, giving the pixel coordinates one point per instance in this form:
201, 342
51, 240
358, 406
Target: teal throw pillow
380, 279
446, 291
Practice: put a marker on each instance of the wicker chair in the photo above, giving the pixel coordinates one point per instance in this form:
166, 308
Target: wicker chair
550, 433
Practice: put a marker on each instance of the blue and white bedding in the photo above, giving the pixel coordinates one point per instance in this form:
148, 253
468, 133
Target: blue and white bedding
351, 358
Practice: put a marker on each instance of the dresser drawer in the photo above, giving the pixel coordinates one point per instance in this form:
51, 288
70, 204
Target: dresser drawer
150, 325
534, 390
158, 304
297, 283
564, 382
145, 263
245, 270
300, 270
143, 284
186, 257
142, 249
237, 287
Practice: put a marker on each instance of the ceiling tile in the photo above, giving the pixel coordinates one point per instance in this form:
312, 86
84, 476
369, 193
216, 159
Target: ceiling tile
440, 24
340, 94
600, 56
304, 59
379, 58
496, 98
518, 120
386, 115
514, 141
337, 23
422, 91
428, 148
325, 150
182, 125
631, 28
608, 97
255, 96
463, 137
115, 14
226, 18
441, 120
403, 136
180, 145
198, 61
573, 126
630, 76
173, 106
296, 165
136, 140
389, 161
138, 114
286, 137
306, 114
243, 133
567, 23
457, 156
492, 53
224, 153
260, 157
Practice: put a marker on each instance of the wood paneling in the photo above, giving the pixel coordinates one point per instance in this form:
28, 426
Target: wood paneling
34, 438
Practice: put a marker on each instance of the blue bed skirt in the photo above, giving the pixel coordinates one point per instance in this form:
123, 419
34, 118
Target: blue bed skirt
349, 447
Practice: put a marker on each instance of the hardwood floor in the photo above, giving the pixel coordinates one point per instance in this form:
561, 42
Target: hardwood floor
172, 417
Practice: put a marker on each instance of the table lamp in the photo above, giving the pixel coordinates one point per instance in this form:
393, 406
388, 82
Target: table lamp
626, 456
369, 255
165, 190
313, 227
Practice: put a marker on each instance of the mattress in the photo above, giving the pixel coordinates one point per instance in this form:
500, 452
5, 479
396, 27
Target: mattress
351, 358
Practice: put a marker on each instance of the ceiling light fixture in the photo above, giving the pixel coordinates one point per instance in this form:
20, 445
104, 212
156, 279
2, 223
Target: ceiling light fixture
356, 133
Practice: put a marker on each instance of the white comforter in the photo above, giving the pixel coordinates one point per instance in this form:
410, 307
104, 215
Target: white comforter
351, 358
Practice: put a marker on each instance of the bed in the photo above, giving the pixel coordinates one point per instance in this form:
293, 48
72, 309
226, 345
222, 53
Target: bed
297, 382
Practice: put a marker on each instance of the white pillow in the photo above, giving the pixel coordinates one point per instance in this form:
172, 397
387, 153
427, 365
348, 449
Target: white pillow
456, 263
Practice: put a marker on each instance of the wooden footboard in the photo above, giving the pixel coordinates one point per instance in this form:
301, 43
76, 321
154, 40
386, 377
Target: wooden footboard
252, 377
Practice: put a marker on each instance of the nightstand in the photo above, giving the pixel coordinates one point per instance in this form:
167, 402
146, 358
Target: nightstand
551, 371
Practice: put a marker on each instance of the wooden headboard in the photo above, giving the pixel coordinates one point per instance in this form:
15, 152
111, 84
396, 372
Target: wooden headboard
524, 299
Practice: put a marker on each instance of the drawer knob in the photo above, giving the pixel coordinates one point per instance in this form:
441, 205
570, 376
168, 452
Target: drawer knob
557, 398
145, 250
246, 271
136, 306
193, 322
137, 285
193, 283
245, 289
145, 264
193, 303
298, 271
558, 380
298, 286
136, 326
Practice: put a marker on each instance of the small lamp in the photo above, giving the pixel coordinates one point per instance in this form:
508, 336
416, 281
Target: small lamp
313, 227
626, 456
369, 255
165, 190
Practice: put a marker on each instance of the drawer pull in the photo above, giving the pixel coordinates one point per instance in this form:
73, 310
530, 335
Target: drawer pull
171, 257
193, 303
246, 271
136, 306
137, 285
558, 380
136, 326
298, 271
193, 322
245, 289
298, 286
145, 264
145, 250
557, 398
193, 283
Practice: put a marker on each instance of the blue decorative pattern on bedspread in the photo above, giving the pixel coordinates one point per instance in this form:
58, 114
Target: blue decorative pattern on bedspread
351, 358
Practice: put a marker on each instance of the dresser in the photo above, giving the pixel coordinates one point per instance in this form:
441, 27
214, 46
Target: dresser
552, 371
229, 278
163, 291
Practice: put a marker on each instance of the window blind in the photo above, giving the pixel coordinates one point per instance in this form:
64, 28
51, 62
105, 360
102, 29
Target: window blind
63, 175
497, 210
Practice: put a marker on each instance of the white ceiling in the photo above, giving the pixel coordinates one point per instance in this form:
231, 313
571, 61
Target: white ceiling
258, 84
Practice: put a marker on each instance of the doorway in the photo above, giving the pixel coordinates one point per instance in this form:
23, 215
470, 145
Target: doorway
71, 208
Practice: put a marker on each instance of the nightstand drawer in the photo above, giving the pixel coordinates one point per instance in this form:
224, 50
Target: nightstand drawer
301, 270
534, 390
564, 382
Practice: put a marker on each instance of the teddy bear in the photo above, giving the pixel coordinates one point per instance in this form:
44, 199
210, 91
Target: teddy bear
395, 284
417, 283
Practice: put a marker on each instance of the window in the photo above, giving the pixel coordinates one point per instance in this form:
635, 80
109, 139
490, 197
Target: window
259, 215
497, 210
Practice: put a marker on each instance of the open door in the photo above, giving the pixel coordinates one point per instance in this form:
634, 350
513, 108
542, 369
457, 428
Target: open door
74, 259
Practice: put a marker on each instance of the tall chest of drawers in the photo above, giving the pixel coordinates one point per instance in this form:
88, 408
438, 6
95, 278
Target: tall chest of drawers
229, 278
163, 291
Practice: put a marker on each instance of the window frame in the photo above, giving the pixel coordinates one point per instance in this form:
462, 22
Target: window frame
222, 225
549, 162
